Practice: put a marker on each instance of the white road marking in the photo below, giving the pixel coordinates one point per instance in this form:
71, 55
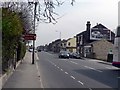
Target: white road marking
55, 65
58, 67
61, 69
40, 79
89, 67
81, 82
73, 62
72, 77
90, 89
93, 68
51, 62
62, 59
66, 73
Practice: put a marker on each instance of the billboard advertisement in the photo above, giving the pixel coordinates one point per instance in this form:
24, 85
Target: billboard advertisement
99, 34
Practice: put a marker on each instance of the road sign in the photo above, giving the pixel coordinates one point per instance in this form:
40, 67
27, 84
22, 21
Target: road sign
30, 37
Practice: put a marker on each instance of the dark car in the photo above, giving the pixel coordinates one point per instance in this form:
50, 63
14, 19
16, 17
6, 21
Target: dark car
31, 50
76, 55
71, 54
64, 54
39, 50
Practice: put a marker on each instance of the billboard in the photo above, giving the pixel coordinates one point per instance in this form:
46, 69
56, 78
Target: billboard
99, 34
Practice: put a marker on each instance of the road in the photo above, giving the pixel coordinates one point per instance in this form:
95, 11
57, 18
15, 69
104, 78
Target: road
76, 73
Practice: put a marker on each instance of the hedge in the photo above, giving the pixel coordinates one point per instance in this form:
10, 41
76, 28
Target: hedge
12, 29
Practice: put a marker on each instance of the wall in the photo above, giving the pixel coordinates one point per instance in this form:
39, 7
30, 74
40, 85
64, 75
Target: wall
102, 48
71, 44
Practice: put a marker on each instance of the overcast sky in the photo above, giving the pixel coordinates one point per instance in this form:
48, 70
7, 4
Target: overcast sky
75, 18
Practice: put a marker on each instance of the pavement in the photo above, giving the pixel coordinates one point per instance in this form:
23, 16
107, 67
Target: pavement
99, 61
26, 74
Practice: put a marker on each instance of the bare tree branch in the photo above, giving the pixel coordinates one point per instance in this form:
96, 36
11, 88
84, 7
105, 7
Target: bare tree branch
45, 11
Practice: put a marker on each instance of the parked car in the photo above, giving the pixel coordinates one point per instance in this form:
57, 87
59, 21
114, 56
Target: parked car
35, 50
76, 55
71, 54
39, 50
64, 54
31, 50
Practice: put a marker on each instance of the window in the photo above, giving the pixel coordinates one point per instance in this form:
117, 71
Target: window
68, 43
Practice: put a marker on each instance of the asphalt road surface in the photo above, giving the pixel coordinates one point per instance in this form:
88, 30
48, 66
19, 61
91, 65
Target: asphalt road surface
76, 73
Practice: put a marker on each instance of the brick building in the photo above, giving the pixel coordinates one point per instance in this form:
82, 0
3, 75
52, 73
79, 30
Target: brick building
96, 33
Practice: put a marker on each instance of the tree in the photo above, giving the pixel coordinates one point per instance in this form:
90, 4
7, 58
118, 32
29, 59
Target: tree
45, 11
18, 18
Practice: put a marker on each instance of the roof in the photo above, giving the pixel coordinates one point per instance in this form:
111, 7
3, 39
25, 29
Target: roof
100, 26
81, 33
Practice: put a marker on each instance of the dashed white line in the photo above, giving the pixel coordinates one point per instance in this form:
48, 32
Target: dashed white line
52, 63
72, 77
66, 72
81, 82
73, 62
88, 67
61, 69
90, 89
98, 70
92, 68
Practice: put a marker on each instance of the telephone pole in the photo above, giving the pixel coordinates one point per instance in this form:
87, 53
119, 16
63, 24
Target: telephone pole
33, 53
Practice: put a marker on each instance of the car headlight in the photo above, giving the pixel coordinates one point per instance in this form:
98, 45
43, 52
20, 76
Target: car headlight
67, 54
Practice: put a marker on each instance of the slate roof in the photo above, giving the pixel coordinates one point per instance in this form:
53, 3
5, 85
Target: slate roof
100, 26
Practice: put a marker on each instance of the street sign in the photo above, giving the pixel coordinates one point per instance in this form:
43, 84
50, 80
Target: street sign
30, 37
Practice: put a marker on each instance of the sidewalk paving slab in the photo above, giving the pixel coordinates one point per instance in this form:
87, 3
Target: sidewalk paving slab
25, 75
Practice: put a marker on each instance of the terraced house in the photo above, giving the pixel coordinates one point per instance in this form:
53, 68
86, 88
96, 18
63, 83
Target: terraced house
71, 44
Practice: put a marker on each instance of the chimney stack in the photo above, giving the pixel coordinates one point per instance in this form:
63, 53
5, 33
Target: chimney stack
88, 26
